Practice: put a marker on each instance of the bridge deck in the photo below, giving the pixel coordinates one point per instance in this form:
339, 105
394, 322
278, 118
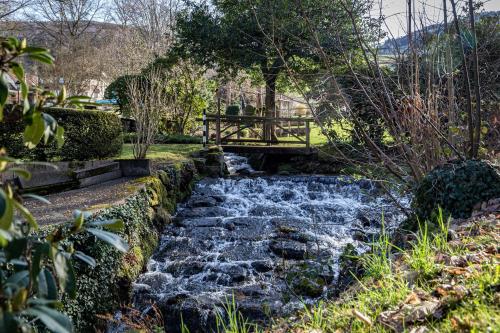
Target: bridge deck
272, 150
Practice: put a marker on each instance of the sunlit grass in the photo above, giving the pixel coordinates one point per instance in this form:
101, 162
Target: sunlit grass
173, 152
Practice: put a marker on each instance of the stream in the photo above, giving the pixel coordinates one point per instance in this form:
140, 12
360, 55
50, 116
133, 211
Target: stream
271, 243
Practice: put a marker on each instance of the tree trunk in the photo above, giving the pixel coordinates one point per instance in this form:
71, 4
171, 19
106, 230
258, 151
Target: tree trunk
475, 64
449, 80
269, 129
468, 98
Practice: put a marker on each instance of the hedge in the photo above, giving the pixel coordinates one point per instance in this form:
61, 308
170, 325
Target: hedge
456, 187
88, 135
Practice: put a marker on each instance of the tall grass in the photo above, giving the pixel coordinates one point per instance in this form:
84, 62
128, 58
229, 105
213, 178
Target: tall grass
233, 320
441, 236
377, 263
421, 257
315, 316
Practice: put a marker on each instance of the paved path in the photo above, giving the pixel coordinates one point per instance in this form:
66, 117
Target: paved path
92, 198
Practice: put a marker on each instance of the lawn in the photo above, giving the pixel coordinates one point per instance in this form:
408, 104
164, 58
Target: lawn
174, 152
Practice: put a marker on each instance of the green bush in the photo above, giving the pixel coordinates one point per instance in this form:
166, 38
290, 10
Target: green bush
233, 110
118, 90
166, 139
249, 110
88, 135
177, 138
456, 187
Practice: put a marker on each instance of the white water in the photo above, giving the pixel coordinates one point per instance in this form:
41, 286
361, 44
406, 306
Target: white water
226, 232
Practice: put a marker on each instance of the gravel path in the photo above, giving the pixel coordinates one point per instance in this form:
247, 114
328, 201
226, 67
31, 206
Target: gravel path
92, 198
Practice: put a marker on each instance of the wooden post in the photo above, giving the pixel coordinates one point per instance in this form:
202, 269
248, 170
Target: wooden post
205, 128
217, 123
308, 141
238, 134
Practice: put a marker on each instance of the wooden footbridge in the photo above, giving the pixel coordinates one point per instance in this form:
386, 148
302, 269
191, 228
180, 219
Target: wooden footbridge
256, 134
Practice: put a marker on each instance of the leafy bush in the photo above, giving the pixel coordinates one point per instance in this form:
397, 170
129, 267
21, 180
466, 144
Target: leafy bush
89, 135
249, 110
456, 187
177, 138
232, 110
118, 90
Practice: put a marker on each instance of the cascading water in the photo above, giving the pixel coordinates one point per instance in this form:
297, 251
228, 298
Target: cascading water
271, 242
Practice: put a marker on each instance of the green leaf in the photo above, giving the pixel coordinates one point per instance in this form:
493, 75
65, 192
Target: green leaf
62, 95
7, 322
78, 222
6, 210
20, 279
34, 132
85, 258
54, 320
18, 71
36, 50
47, 287
64, 271
42, 57
37, 197
16, 248
5, 238
4, 93
40, 251
60, 136
113, 225
116, 241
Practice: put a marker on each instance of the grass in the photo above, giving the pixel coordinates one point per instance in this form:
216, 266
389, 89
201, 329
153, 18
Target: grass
232, 321
173, 152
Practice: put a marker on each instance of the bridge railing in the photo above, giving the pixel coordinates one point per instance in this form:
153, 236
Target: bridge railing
229, 129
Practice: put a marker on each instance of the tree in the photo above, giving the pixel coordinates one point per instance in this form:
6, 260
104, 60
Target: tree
154, 20
11, 7
263, 34
186, 91
70, 29
148, 104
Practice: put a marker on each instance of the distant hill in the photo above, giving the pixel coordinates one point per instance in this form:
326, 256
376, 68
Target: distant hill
391, 46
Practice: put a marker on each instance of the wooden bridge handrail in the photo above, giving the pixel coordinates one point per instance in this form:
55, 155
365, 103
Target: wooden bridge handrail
256, 118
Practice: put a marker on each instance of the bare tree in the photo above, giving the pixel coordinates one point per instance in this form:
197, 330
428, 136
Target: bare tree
153, 19
148, 104
66, 21
9, 8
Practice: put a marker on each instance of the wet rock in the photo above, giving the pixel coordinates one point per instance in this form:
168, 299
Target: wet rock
201, 201
154, 281
348, 265
229, 226
185, 268
360, 236
288, 195
236, 272
204, 222
289, 249
306, 286
262, 266
266, 210
203, 212
365, 221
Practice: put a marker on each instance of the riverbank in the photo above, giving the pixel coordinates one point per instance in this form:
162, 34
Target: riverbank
445, 282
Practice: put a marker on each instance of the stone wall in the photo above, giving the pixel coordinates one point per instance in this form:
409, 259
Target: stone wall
101, 290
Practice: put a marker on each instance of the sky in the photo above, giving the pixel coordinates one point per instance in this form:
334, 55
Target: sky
395, 12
